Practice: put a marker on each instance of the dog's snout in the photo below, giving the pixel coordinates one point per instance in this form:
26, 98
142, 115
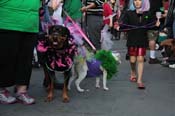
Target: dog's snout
55, 36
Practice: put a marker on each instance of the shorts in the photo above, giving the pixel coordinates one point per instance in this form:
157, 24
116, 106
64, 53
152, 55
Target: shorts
136, 51
152, 35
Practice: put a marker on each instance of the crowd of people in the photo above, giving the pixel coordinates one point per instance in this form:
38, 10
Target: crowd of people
146, 23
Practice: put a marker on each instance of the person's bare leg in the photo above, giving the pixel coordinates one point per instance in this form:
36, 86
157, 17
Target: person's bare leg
133, 65
21, 88
140, 61
152, 46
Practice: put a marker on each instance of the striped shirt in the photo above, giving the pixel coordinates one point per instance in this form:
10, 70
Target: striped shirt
98, 9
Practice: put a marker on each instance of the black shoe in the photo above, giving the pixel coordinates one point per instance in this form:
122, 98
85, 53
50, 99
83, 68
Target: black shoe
154, 61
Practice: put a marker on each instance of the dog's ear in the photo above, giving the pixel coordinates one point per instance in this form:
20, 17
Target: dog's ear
51, 30
65, 32
41, 36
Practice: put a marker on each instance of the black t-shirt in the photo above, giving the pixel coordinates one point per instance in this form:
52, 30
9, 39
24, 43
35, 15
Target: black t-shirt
137, 37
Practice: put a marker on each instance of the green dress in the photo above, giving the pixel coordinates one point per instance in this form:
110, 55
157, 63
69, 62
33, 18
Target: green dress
72, 7
19, 15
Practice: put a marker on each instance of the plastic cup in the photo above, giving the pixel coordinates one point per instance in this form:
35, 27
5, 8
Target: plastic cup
158, 15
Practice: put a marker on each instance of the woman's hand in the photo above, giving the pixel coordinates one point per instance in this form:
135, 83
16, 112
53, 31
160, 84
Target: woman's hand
157, 23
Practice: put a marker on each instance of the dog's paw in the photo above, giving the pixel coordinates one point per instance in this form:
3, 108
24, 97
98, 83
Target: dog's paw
106, 89
80, 90
66, 100
97, 86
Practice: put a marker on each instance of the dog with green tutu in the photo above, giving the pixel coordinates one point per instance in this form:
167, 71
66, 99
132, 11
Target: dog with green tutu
103, 63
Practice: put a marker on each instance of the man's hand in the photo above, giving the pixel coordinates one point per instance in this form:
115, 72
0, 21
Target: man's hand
85, 8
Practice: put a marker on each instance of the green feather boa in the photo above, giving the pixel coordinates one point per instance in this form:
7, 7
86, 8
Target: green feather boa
108, 62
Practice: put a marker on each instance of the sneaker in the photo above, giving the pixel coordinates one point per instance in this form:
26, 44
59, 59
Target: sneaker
165, 63
24, 98
6, 98
154, 61
172, 66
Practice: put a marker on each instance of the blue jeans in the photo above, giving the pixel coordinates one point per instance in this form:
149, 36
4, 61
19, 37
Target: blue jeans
47, 17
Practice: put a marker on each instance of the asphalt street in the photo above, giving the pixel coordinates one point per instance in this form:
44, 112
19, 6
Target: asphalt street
123, 98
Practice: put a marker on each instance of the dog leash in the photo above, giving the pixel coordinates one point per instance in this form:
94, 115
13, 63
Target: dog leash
80, 30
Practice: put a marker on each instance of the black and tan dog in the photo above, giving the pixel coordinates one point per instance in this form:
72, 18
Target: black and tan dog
56, 52
168, 52
169, 45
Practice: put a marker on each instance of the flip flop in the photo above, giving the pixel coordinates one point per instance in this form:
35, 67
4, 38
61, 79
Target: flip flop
133, 79
141, 86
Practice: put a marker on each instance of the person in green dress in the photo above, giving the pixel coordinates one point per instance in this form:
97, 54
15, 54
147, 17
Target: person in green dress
19, 25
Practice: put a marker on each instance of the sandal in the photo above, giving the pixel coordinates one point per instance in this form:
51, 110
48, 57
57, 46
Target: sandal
141, 86
133, 79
